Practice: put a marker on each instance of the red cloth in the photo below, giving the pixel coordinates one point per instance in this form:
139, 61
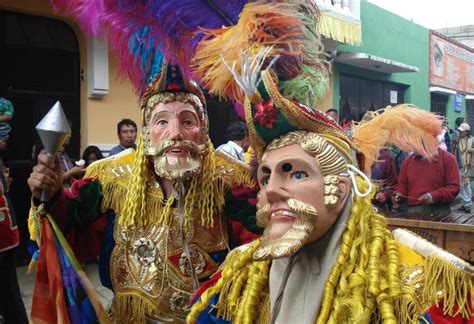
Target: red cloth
240, 234
437, 316
86, 243
439, 177
9, 235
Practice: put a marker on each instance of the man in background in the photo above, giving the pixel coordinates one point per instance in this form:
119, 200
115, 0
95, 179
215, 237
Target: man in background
237, 137
127, 134
428, 185
464, 149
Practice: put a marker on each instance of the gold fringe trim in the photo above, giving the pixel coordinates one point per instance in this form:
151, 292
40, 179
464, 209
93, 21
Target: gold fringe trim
341, 30
114, 194
205, 193
223, 308
439, 280
131, 308
408, 309
455, 284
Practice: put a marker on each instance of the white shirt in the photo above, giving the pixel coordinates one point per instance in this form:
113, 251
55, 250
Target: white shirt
233, 149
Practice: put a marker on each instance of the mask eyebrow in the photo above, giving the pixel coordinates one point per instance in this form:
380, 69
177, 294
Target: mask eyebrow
156, 114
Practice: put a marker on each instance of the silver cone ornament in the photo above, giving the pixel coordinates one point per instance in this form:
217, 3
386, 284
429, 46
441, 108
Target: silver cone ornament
53, 131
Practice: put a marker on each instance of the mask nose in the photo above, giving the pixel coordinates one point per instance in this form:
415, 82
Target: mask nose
175, 130
275, 190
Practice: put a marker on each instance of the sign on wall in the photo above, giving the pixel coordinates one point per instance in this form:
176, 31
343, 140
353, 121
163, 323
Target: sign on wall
451, 65
458, 102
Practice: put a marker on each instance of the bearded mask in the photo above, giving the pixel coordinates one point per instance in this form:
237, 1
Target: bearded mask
176, 135
175, 157
294, 239
170, 167
300, 194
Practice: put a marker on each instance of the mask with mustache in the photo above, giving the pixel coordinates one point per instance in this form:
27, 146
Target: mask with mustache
293, 239
174, 168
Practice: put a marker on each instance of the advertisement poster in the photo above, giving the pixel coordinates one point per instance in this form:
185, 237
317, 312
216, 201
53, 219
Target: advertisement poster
451, 65
458, 102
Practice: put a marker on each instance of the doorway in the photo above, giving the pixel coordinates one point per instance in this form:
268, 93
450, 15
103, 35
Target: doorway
40, 65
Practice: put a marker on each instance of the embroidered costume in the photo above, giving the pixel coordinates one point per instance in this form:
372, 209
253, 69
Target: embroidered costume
168, 205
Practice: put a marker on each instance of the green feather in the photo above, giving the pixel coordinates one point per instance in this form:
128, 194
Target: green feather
310, 85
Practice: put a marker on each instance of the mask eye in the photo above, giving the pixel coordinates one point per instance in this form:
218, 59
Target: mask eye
299, 175
189, 123
264, 181
286, 167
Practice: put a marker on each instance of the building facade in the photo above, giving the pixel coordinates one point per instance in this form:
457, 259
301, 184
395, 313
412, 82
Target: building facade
389, 67
451, 77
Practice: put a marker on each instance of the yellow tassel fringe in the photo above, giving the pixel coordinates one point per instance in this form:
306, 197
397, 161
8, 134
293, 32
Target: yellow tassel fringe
205, 192
341, 30
131, 308
455, 284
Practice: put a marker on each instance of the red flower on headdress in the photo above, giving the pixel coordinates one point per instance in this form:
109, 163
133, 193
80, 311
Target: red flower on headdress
265, 113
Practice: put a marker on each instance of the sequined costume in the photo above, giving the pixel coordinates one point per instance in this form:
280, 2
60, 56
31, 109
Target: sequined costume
146, 266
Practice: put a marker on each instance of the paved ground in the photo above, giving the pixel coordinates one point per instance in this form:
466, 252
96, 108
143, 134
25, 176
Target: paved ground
26, 282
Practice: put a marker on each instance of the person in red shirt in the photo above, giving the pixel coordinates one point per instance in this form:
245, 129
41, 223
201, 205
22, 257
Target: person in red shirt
12, 309
428, 185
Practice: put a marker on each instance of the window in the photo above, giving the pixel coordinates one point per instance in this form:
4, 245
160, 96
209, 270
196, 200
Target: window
438, 103
357, 96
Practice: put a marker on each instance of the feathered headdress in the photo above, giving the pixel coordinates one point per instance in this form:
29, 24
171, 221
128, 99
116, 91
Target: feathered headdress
231, 47
194, 33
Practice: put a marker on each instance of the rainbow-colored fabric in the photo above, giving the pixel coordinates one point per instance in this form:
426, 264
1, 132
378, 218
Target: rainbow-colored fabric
62, 292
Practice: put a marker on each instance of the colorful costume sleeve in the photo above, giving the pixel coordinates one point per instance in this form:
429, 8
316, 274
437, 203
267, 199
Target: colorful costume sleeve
240, 208
77, 213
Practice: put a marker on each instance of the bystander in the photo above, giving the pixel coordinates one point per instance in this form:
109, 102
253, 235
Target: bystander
429, 186
127, 134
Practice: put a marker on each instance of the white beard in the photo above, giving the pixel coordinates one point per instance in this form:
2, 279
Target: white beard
173, 169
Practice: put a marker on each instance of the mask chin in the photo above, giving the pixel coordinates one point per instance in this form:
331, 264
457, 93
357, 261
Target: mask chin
291, 242
173, 169
295, 237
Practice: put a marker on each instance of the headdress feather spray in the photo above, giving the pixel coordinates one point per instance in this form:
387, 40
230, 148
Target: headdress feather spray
287, 28
142, 33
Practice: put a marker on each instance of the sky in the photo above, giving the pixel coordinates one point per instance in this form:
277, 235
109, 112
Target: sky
432, 14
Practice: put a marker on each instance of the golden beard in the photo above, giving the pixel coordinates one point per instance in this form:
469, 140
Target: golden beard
293, 239
172, 168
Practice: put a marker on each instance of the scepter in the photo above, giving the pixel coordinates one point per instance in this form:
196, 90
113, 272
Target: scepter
53, 131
